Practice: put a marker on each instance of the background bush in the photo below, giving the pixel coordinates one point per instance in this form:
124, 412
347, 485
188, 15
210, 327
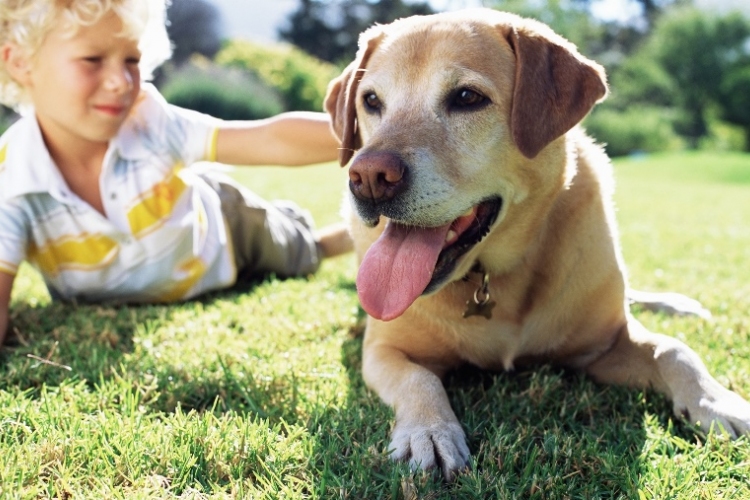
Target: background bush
637, 129
300, 79
7, 117
228, 93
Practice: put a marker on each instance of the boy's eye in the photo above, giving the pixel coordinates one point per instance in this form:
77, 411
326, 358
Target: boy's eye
93, 59
133, 60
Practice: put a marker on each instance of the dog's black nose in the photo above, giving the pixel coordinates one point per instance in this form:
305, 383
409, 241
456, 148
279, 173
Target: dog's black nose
377, 176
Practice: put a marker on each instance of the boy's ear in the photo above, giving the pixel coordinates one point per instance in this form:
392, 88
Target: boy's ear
17, 62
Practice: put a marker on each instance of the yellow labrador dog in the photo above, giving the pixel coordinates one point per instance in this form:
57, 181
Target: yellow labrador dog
483, 222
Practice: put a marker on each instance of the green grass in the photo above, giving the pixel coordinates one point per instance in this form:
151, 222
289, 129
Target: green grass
257, 393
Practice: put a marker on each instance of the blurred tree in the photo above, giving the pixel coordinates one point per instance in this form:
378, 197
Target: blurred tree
609, 42
194, 27
7, 117
734, 95
652, 9
641, 80
705, 55
329, 29
570, 18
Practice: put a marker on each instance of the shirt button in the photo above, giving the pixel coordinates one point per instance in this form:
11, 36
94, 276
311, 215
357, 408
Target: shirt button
113, 196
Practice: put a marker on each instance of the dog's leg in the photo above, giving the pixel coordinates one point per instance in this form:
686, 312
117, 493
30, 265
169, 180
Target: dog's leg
427, 432
668, 302
644, 359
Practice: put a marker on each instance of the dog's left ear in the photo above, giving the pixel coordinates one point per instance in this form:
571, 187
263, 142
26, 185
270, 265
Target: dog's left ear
342, 91
555, 87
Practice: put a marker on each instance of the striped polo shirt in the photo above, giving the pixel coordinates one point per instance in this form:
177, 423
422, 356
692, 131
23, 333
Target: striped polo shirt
164, 237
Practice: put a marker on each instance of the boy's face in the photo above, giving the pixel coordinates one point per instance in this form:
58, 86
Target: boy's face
83, 87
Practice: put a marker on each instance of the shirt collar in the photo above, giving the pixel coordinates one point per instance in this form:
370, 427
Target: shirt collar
131, 140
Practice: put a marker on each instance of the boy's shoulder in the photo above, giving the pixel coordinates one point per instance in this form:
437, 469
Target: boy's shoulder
154, 125
17, 136
21, 136
22, 155
3, 151
151, 114
150, 105
6, 138
5, 141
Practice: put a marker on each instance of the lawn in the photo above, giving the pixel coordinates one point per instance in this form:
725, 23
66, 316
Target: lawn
257, 393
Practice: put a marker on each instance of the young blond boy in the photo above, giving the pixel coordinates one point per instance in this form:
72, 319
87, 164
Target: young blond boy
97, 190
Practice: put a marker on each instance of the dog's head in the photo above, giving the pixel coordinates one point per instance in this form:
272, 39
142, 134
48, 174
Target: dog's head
451, 120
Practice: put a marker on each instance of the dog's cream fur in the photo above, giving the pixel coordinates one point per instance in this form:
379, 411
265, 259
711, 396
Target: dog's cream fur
425, 153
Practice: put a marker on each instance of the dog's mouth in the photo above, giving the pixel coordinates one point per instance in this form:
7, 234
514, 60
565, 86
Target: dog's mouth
464, 233
409, 261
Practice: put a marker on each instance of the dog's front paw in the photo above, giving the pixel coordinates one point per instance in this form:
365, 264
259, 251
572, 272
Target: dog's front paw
720, 407
441, 444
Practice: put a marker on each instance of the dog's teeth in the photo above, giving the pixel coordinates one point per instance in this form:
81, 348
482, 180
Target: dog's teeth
451, 235
468, 213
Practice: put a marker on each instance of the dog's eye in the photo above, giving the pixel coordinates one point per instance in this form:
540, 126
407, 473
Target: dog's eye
466, 98
372, 101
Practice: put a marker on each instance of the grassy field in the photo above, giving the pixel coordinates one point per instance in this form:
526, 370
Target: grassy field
257, 393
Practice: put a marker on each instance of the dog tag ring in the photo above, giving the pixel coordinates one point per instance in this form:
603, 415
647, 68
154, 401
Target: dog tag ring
481, 305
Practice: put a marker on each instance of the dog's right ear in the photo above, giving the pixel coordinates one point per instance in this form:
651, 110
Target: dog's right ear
555, 86
342, 91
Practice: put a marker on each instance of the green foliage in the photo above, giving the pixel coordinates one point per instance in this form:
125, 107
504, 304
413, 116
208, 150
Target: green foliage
723, 136
227, 93
689, 73
299, 78
6, 118
642, 81
698, 50
634, 130
735, 97
257, 392
735, 91
696, 47
569, 18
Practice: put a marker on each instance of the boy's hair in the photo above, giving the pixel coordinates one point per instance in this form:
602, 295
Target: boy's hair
28, 22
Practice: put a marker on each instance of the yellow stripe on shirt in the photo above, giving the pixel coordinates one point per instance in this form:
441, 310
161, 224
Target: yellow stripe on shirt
156, 205
212, 148
193, 269
85, 252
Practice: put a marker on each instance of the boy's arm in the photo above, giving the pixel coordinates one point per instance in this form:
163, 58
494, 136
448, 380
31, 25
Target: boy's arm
292, 138
6, 285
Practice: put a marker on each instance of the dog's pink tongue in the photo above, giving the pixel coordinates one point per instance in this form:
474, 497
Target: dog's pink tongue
397, 268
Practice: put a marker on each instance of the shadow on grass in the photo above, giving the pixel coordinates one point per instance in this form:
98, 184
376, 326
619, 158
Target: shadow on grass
538, 433
51, 340
59, 341
54, 342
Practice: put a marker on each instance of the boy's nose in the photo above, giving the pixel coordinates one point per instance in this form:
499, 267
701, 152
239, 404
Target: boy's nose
119, 79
